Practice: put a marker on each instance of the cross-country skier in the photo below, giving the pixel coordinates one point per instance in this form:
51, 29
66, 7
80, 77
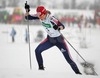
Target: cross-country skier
54, 37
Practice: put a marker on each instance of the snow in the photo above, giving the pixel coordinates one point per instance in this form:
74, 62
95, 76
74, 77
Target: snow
14, 57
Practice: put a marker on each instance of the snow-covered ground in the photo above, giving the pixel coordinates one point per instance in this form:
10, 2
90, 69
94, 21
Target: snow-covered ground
14, 57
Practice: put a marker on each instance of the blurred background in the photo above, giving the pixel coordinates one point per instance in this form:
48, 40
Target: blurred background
81, 19
12, 11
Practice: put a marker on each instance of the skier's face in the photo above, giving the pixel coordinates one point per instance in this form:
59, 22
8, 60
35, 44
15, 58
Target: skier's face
42, 17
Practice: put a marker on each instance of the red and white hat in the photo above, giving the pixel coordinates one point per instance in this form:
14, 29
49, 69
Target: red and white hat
41, 10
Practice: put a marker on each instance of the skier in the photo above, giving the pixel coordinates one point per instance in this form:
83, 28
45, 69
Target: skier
12, 34
54, 37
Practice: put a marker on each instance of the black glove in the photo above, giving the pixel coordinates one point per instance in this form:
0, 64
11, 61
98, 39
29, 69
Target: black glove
27, 7
55, 26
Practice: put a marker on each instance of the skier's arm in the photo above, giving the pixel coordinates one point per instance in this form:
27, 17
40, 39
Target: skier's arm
60, 25
27, 15
57, 25
30, 17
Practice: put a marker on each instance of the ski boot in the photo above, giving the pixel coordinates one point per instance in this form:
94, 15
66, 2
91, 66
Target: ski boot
78, 73
41, 67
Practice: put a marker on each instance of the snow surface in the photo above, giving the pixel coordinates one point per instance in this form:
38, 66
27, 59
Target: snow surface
14, 57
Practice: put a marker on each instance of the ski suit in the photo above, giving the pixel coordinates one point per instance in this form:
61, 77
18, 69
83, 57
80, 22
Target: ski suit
54, 38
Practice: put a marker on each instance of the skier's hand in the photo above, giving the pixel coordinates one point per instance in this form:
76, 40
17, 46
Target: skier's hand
55, 27
27, 7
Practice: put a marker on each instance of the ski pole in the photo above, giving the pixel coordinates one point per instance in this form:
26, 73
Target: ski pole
29, 41
73, 48
29, 46
77, 53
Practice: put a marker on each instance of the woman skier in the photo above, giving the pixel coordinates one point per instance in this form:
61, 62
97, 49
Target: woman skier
54, 37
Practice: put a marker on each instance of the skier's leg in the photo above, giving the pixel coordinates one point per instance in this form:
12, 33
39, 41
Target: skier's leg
64, 49
41, 47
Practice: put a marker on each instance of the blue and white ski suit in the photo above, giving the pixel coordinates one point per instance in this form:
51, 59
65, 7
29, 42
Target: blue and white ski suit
54, 38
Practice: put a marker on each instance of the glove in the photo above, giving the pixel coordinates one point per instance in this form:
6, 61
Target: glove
55, 26
27, 7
